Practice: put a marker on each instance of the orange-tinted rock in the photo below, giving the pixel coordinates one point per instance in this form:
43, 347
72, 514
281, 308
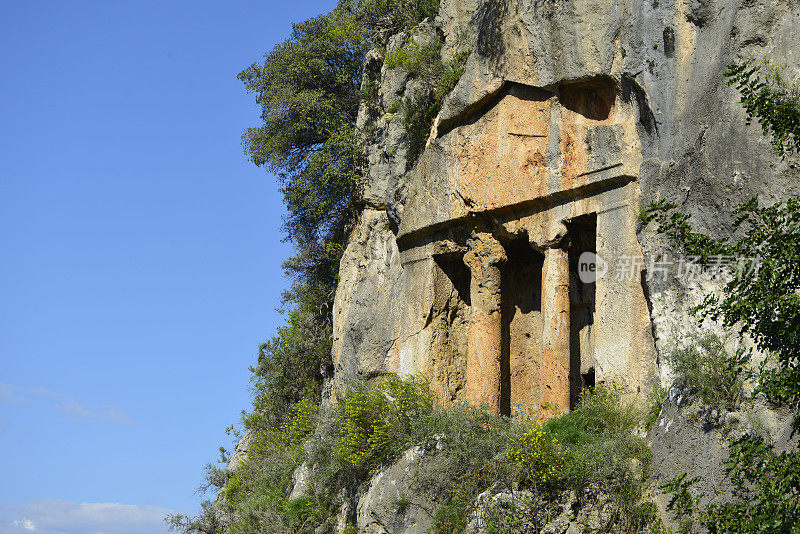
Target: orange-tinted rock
555, 384
484, 258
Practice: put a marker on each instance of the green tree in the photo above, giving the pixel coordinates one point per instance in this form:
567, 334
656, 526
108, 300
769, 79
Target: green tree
768, 97
760, 299
309, 90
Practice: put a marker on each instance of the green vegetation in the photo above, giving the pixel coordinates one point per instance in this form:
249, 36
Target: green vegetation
592, 446
682, 504
377, 424
764, 304
772, 492
308, 89
384, 18
435, 78
767, 96
414, 58
206, 522
774, 503
598, 447
473, 458
655, 400
704, 364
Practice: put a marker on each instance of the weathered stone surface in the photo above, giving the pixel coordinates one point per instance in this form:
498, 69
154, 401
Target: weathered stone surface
301, 481
239, 453
484, 259
555, 396
523, 148
565, 110
394, 502
366, 306
692, 438
523, 512
387, 148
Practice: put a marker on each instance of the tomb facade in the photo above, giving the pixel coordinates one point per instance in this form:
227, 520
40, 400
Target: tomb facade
500, 209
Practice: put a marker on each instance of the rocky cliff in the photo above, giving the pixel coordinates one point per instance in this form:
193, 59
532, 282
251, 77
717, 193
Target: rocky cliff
465, 266
500, 257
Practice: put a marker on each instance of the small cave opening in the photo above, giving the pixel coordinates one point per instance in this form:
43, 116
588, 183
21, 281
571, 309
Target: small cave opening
582, 247
587, 378
593, 99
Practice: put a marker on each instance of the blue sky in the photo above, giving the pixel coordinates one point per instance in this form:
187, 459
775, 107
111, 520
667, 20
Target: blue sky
140, 253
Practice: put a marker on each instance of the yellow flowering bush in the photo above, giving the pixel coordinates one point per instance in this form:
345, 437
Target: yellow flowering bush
373, 423
538, 456
411, 397
303, 419
235, 487
265, 444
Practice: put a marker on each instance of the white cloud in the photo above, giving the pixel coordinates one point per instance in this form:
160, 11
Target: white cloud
65, 404
7, 394
78, 411
26, 524
49, 516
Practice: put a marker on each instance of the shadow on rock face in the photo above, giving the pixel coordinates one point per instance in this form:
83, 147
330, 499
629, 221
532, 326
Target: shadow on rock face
594, 99
489, 20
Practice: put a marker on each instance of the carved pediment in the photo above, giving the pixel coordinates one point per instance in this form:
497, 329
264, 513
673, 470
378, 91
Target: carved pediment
523, 148
527, 143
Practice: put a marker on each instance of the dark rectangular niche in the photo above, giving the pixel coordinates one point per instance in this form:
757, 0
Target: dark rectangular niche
594, 99
581, 237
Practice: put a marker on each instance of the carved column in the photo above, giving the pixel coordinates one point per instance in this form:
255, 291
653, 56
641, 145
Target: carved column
484, 258
555, 390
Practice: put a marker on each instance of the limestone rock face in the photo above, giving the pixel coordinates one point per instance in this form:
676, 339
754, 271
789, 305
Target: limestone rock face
366, 306
239, 454
525, 513
222, 510
692, 437
506, 263
568, 116
395, 502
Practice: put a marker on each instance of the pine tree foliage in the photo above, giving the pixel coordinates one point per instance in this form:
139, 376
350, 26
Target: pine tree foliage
309, 90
